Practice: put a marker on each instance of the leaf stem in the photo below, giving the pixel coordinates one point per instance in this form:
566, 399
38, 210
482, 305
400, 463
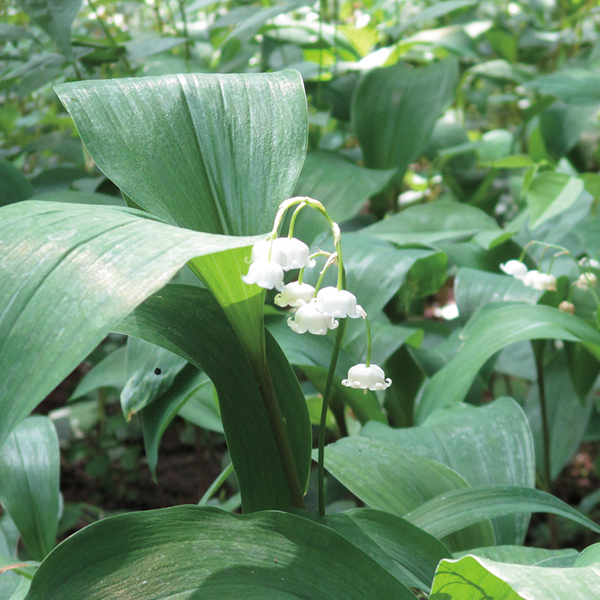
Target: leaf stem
267, 390
110, 38
323, 423
216, 484
547, 478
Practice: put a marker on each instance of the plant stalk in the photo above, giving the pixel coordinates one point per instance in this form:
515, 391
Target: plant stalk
323, 423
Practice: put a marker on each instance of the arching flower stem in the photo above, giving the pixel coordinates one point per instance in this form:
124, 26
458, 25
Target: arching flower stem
323, 422
294, 217
368, 359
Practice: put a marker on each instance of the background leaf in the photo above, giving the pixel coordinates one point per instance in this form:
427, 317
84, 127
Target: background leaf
395, 108
29, 483
55, 17
491, 444
396, 481
492, 328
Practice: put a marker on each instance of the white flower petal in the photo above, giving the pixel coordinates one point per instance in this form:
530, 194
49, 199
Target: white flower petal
295, 294
266, 274
515, 268
338, 303
308, 318
367, 378
296, 252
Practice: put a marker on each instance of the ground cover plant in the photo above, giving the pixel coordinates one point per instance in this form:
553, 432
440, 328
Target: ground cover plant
342, 256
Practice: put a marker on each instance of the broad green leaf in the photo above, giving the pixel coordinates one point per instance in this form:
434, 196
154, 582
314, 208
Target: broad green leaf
68, 274
190, 552
188, 321
588, 557
472, 578
574, 86
524, 555
473, 289
393, 480
428, 224
492, 328
561, 126
110, 372
394, 110
151, 371
29, 483
407, 552
491, 444
550, 194
188, 149
13, 185
458, 508
156, 416
55, 17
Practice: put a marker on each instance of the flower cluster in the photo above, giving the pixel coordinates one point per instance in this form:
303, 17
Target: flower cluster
316, 310
533, 279
270, 258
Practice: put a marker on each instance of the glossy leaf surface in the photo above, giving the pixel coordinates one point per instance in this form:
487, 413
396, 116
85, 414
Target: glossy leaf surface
470, 577
461, 507
491, 444
68, 274
396, 481
191, 552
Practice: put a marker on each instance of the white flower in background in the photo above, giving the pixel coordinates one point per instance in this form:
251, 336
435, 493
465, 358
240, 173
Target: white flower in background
585, 281
589, 262
266, 274
338, 303
540, 281
309, 318
367, 378
295, 294
515, 268
566, 306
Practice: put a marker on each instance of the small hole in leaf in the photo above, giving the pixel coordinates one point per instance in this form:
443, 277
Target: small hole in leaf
157, 371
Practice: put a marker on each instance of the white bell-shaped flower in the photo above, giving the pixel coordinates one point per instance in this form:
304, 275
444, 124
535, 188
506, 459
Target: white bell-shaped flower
586, 281
267, 274
540, 281
295, 294
367, 378
338, 303
267, 250
296, 252
309, 318
515, 268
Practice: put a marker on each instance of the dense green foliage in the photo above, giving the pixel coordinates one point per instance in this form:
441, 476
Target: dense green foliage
147, 148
